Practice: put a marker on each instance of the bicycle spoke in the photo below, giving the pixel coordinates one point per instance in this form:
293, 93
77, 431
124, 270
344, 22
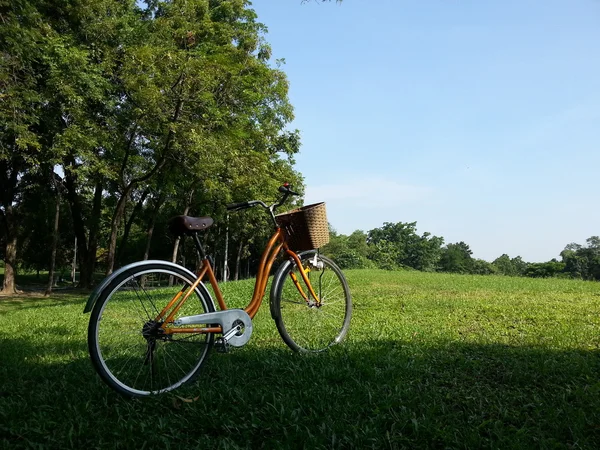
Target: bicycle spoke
148, 297
176, 363
126, 362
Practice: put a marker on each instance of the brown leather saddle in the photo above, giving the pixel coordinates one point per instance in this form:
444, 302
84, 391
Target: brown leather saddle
181, 225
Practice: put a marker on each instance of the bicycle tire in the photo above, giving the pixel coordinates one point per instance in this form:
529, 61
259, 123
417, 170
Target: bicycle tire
303, 325
123, 352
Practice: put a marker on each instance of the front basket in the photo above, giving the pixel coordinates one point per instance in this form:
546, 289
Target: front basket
306, 228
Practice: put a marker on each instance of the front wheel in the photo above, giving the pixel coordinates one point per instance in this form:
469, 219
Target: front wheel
129, 349
305, 323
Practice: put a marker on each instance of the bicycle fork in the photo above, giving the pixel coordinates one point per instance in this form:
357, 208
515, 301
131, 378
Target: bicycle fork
317, 300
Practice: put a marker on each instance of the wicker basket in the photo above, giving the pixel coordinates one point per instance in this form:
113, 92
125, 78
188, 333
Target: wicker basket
306, 228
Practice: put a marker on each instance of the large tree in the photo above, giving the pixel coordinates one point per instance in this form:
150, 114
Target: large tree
20, 105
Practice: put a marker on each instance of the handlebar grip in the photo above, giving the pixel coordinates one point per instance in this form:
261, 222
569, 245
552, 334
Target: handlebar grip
238, 206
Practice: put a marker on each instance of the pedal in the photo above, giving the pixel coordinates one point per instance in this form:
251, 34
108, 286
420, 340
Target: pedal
221, 345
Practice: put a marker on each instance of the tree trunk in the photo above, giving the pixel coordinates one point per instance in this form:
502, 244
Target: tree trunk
54, 239
90, 262
238, 260
9, 177
77, 216
149, 233
226, 253
134, 213
85, 248
176, 244
178, 239
118, 215
10, 256
150, 229
116, 221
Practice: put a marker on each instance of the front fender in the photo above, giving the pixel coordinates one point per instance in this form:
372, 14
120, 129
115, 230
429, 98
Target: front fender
93, 298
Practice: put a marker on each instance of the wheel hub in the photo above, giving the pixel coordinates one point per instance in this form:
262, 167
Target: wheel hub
152, 330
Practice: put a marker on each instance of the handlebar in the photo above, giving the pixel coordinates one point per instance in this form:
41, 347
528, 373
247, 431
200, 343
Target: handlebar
238, 206
284, 189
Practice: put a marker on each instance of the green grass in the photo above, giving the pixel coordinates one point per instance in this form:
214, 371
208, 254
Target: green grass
431, 361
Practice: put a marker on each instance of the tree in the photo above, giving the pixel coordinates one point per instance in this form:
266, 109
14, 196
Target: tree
349, 252
20, 105
357, 241
456, 258
55, 89
519, 266
399, 245
583, 261
511, 267
545, 270
427, 252
9, 186
482, 267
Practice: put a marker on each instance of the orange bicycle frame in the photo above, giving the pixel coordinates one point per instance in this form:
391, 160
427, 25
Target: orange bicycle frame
275, 244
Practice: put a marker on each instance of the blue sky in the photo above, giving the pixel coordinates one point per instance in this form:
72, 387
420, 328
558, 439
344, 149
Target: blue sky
479, 120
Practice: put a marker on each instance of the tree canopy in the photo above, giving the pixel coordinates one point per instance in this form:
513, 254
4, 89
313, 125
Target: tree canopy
141, 109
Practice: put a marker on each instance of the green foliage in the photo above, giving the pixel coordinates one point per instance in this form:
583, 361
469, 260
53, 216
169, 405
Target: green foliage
148, 109
545, 270
511, 267
583, 261
397, 245
482, 267
457, 258
383, 254
349, 252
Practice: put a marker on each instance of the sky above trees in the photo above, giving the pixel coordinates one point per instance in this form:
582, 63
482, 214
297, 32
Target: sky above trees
476, 119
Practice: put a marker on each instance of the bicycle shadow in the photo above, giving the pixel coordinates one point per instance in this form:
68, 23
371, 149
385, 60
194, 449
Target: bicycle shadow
407, 393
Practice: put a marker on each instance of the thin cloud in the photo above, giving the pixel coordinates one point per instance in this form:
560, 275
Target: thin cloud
367, 191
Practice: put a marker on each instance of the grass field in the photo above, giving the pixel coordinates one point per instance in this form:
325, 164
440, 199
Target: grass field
431, 361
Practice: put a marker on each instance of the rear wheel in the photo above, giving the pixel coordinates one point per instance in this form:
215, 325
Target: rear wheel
128, 347
305, 323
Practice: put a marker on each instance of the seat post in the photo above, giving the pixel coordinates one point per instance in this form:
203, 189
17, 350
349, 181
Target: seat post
199, 247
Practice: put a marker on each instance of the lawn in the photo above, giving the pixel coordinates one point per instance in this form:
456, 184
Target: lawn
431, 360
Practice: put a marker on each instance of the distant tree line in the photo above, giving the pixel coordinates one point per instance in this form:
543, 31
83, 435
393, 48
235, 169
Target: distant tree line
397, 246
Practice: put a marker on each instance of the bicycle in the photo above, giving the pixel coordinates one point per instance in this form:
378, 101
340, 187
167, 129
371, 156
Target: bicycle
154, 322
